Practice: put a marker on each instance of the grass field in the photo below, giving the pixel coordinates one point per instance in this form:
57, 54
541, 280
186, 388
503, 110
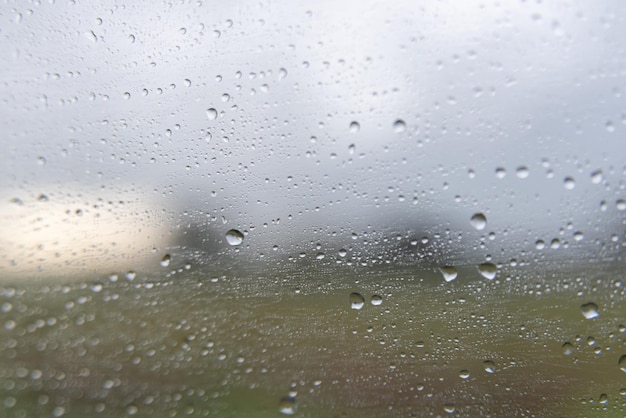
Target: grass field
233, 344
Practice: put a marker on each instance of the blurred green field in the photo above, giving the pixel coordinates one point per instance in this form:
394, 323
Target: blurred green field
235, 344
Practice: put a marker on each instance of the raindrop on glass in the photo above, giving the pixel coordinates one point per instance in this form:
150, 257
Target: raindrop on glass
522, 172
377, 300
479, 221
449, 273
356, 301
355, 127
622, 363
211, 113
590, 310
487, 270
234, 237
287, 405
569, 183
489, 366
568, 349
165, 261
597, 177
399, 126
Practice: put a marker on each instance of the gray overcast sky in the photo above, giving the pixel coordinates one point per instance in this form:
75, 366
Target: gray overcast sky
245, 114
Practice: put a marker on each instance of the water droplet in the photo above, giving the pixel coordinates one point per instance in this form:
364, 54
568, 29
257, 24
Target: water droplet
282, 73
464, 374
479, 221
234, 237
211, 113
622, 363
578, 236
500, 172
41, 160
604, 399
399, 126
131, 275
342, 253
377, 300
569, 183
355, 127
351, 149
568, 349
165, 261
449, 273
590, 310
540, 244
287, 405
620, 204
449, 408
487, 270
522, 172
489, 366
356, 301
609, 126
597, 177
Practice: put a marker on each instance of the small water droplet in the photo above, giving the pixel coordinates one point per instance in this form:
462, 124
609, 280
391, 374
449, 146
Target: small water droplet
609, 126
356, 301
464, 374
449, 408
165, 261
620, 204
342, 253
282, 73
211, 113
487, 270
568, 349
287, 405
41, 160
597, 177
479, 221
500, 172
234, 237
590, 310
522, 172
604, 399
578, 236
569, 183
540, 244
377, 300
489, 366
351, 149
355, 127
399, 126
131, 275
449, 273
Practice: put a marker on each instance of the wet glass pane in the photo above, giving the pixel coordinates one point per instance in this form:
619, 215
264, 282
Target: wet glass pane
350, 209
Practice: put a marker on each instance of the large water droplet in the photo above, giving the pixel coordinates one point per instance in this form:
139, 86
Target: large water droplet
287, 405
522, 172
376, 300
464, 374
569, 183
479, 221
356, 301
489, 366
355, 127
597, 177
211, 113
449, 273
487, 270
234, 237
590, 310
399, 126
165, 261
568, 349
